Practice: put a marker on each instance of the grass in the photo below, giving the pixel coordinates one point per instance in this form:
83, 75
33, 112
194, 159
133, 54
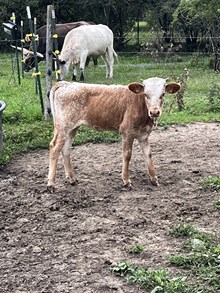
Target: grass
24, 126
198, 267
213, 182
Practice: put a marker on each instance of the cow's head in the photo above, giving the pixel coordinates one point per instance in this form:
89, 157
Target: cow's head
64, 67
154, 90
28, 58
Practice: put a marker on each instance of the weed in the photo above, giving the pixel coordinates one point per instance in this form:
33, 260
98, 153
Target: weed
136, 249
213, 182
214, 97
217, 203
183, 229
203, 260
159, 280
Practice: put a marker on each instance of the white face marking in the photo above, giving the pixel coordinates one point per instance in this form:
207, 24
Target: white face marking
154, 90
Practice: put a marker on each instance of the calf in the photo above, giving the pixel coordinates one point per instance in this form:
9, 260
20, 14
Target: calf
87, 41
132, 110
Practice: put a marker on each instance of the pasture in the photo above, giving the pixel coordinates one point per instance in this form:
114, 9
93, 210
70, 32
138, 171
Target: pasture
98, 236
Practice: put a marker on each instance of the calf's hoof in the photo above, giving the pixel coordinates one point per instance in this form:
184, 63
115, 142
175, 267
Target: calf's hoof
154, 182
72, 181
128, 185
50, 188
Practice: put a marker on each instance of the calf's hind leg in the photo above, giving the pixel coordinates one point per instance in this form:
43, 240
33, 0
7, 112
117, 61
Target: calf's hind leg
70, 176
56, 146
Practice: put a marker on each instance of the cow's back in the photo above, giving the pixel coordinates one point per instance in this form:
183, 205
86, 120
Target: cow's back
61, 30
94, 38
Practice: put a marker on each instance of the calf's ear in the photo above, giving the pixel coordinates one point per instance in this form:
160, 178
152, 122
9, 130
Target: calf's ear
172, 87
136, 87
62, 62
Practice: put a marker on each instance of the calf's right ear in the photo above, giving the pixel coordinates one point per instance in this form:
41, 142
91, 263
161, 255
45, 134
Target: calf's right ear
136, 87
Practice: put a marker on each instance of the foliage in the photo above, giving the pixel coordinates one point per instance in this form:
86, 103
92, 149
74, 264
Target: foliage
183, 229
199, 19
201, 264
213, 182
202, 260
214, 97
159, 280
136, 249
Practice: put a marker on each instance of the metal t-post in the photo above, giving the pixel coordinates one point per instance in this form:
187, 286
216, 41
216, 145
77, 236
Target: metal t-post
55, 44
22, 47
37, 73
16, 51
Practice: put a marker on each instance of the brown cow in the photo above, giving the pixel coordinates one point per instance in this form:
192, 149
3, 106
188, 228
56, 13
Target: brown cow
132, 110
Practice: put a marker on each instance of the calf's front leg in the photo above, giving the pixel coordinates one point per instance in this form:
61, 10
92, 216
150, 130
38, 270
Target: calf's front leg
145, 147
127, 143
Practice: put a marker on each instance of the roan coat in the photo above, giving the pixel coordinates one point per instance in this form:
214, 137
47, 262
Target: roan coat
132, 110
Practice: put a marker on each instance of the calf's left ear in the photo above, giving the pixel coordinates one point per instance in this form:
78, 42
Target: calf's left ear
172, 87
136, 87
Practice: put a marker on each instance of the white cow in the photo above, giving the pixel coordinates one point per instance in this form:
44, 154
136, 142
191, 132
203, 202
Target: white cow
132, 110
84, 41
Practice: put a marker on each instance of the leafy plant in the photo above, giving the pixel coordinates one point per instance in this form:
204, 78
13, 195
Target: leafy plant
217, 203
203, 260
136, 249
159, 280
213, 182
214, 97
183, 229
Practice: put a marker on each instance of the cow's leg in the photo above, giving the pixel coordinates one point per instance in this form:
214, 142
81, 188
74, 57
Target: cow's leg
83, 58
127, 143
56, 146
107, 64
74, 78
145, 147
70, 176
110, 57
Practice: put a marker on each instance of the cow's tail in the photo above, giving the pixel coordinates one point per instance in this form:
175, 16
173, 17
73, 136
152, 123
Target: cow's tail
52, 97
115, 56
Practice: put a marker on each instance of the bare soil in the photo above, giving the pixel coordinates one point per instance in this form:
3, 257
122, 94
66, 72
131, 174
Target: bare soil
69, 240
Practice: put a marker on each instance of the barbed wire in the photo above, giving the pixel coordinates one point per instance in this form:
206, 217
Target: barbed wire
128, 38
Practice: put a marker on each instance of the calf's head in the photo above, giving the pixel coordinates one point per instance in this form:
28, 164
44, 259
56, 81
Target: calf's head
154, 90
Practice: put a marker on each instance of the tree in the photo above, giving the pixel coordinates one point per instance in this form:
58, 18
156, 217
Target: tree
199, 19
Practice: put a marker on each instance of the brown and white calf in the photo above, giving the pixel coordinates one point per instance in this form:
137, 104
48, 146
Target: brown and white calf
132, 110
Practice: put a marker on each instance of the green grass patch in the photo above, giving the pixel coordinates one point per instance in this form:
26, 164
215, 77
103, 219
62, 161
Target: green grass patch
160, 280
213, 182
198, 266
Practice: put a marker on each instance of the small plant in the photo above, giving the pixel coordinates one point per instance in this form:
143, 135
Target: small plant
214, 97
183, 230
217, 203
203, 260
213, 182
179, 97
136, 249
160, 280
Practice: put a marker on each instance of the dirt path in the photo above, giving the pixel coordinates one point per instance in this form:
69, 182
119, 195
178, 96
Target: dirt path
68, 241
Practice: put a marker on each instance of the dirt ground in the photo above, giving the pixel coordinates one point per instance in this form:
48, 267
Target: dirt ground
69, 240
